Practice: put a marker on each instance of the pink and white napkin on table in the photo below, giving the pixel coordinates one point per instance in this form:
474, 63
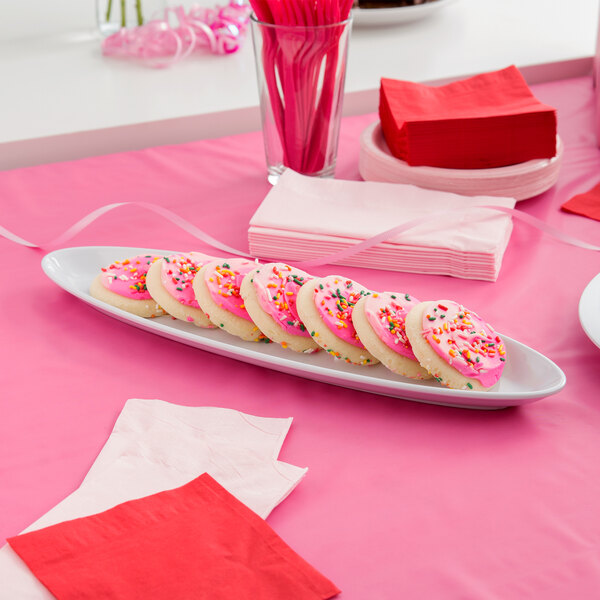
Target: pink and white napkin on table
304, 218
156, 446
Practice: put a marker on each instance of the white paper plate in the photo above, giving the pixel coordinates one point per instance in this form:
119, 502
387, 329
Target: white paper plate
375, 17
528, 375
589, 310
521, 181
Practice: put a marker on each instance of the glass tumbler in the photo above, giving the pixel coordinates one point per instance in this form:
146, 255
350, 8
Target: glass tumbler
301, 72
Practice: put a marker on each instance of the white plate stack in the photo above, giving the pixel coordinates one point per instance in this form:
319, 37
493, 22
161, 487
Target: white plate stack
520, 181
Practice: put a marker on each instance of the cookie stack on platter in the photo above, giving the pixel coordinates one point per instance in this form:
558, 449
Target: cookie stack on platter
276, 302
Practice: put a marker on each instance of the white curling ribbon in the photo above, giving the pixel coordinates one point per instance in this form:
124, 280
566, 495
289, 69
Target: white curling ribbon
323, 260
76, 228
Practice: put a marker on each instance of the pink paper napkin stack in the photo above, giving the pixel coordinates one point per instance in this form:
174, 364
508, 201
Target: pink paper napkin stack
304, 218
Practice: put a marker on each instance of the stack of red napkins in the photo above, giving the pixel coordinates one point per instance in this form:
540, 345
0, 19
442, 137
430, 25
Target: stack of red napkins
490, 120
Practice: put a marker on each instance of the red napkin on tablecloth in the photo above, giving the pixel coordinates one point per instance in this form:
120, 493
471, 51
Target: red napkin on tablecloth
586, 204
196, 541
490, 120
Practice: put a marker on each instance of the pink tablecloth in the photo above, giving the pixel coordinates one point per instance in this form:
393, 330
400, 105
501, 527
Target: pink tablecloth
402, 500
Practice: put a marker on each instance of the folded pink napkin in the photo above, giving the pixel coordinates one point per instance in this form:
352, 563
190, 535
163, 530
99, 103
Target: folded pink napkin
195, 541
490, 120
304, 218
586, 204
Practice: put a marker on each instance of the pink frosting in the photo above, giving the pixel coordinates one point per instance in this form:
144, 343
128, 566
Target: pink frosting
465, 341
334, 299
177, 275
277, 291
386, 313
128, 277
224, 281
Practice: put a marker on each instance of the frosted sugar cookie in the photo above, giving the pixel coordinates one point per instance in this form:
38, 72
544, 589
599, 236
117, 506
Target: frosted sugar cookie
270, 293
325, 306
379, 322
455, 345
169, 281
123, 284
217, 288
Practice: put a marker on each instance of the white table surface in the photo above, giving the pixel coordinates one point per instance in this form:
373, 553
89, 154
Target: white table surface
61, 99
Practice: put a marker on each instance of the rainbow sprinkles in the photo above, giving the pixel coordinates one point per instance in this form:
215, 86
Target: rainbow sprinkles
465, 341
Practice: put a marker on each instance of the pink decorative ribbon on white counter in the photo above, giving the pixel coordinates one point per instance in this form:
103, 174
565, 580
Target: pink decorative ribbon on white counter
163, 42
323, 260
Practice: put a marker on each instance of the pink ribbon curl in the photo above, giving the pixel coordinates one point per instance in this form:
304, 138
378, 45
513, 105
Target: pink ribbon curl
164, 41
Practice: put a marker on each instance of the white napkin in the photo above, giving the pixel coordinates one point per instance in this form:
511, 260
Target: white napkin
157, 446
157, 423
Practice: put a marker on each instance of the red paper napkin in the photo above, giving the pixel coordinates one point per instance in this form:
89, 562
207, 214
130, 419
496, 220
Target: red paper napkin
490, 120
196, 541
586, 204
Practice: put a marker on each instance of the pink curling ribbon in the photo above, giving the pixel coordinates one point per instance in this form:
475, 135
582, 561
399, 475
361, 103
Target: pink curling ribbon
323, 260
228, 24
164, 41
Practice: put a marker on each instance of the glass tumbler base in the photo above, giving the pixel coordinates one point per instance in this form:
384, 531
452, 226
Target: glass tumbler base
274, 172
